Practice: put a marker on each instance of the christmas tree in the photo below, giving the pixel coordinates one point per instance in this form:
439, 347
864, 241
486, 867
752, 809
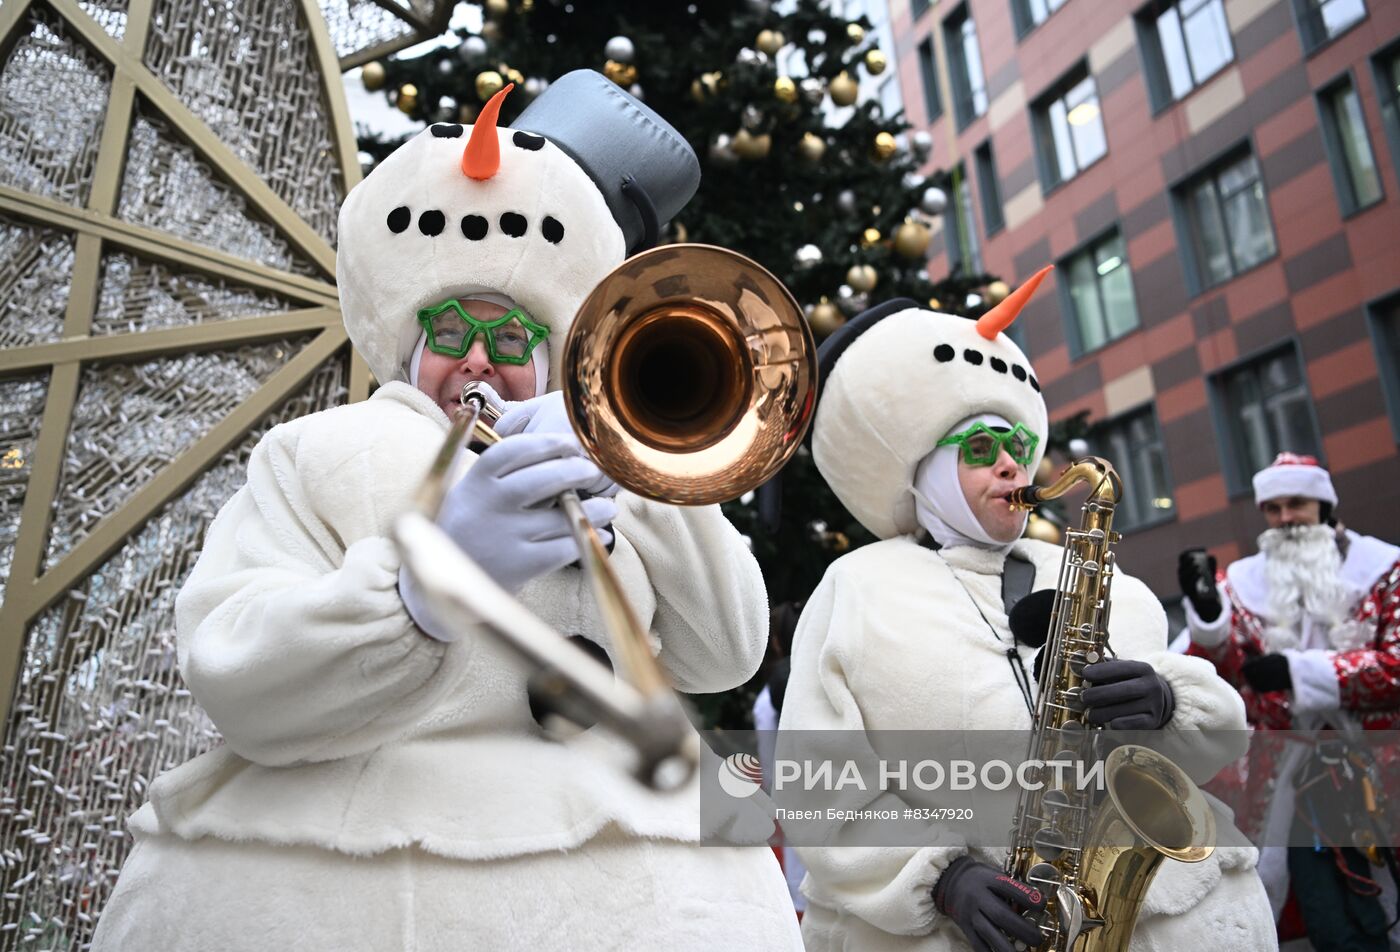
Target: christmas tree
818, 185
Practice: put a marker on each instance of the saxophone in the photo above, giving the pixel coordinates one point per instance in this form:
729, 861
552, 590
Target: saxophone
1092, 853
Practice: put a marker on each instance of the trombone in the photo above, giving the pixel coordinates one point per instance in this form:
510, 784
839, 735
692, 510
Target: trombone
690, 378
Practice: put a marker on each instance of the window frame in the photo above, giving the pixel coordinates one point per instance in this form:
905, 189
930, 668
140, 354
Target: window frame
1118, 420
1387, 363
1183, 218
1073, 333
952, 182
1336, 155
1023, 19
1042, 132
1238, 484
963, 91
989, 188
1388, 98
1155, 72
1307, 13
928, 75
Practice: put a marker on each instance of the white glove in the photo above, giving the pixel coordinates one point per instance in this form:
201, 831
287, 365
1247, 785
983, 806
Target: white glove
503, 514
546, 414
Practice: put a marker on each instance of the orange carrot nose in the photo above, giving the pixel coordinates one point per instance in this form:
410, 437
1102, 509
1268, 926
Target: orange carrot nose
999, 318
481, 159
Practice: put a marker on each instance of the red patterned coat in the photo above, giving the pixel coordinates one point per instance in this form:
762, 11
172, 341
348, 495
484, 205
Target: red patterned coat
1357, 673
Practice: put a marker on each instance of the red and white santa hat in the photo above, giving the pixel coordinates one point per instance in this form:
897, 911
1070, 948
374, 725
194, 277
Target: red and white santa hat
1293, 475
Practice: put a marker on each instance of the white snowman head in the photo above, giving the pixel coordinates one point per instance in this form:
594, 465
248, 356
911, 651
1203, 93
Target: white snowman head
539, 213
895, 380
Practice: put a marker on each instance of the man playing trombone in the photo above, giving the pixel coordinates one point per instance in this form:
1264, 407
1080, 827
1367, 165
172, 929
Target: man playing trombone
383, 783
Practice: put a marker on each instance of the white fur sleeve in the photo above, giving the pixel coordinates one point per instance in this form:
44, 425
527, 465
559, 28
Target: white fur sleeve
891, 887
1209, 714
1209, 634
297, 650
711, 604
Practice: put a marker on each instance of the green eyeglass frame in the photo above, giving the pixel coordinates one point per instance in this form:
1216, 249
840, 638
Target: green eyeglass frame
499, 352
981, 445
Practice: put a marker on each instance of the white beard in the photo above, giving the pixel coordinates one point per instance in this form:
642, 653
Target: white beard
1303, 567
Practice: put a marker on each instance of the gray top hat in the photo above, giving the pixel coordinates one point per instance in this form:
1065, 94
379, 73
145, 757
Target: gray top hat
642, 165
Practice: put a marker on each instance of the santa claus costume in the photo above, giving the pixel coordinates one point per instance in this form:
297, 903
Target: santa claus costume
1324, 603
912, 633
382, 789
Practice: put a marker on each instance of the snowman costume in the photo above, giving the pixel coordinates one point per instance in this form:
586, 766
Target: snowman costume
382, 789
906, 635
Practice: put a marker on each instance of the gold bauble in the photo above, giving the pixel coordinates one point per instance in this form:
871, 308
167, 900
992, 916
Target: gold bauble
785, 89
837, 542
811, 147
707, 85
1046, 472
746, 145
911, 240
490, 31
512, 75
862, 278
770, 41
875, 62
935, 304
467, 113
855, 32
373, 76
826, 318
871, 236
1042, 529
496, 8
843, 89
488, 83
408, 98
884, 146
624, 74
996, 292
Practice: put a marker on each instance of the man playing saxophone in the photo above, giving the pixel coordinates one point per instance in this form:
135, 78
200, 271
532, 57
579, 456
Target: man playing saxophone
926, 423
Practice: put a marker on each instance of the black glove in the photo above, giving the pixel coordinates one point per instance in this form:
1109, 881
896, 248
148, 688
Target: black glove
1195, 571
983, 901
1127, 696
1268, 673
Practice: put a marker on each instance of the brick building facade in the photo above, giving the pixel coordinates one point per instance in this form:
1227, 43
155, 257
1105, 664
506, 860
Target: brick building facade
1218, 183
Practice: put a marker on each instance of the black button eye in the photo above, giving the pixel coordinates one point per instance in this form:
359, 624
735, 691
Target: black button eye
943, 353
432, 222
399, 219
973, 357
998, 365
513, 224
474, 227
1018, 371
528, 142
446, 130
552, 230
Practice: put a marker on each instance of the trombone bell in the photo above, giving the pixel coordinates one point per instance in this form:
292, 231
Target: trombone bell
690, 374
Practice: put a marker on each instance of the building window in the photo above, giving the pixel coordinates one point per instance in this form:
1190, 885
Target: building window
1323, 20
1267, 411
918, 8
1070, 127
1186, 42
965, 66
1029, 14
928, 69
1385, 333
989, 188
1387, 72
1349, 147
1100, 291
1228, 217
1133, 444
960, 227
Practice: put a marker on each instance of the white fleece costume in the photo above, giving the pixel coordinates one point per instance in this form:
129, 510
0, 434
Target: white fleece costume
380, 789
901, 637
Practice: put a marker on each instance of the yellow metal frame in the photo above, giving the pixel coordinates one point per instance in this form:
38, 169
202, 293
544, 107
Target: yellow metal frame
29, 592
